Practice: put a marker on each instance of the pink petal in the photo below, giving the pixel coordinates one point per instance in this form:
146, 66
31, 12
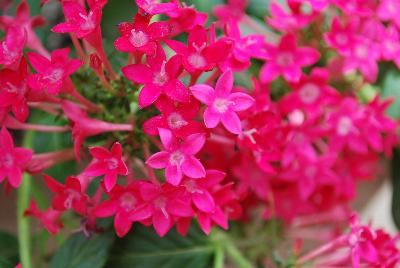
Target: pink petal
6, 140
176, 46
203, 201
211, 118
231, 122
224, 84
307, 55
179, 208
138, 73
140, 213
122, 44
193, 143
116, 149
173, 174
95, 169
241, 101
268, 72
158, 160
161, 223
38, 62
176, 90
292, 74
110, 179
22, 156
203, 93
193, 168
105, 209
122, 224
204, 222
166, 137
148, 94
15, 177
99, 152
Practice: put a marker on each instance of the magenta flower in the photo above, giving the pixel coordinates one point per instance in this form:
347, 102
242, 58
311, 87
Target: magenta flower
13, 160
107, 163
199, 55
154, 7
54, 73
123, 201
287, 59
222, 105
233, 10
24, 21
49, 219
175, 116
164, 203
14, 92
342, 35
140, 36
11, 47
388, 10
160, 76
178, 158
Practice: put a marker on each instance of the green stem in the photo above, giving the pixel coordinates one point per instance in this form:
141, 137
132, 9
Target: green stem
24, 190
236, 256
219, 255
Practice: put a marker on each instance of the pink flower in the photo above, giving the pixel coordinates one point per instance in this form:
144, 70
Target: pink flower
24, 21
140, 36
185, 19
107, 163
289, 21
14, 93
388, 10
199, 55
13, 160
287, 59
222, 105
390, 46
164, 203
356, 7
176, 116
11, 47
160, 76
233, 10
178, 158
153, 7
50, 218
68, 196
79, 21
54, 73
342, 35
123, 202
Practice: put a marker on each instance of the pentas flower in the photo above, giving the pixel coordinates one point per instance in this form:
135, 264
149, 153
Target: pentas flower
140, 36
363, 57
362, 8
200, 55
390, 46
13, 160
342, 35
159, 76
295, 19
233, 10
154, 7
178, 158
49, 218
388, 11
244, 48
24, 21
107, 163
175, 116
11, 47
185, 19
79, 21
287, 59
52, 73
163, 203
122, 202
68, 195
318, 5
222, 105
14, 92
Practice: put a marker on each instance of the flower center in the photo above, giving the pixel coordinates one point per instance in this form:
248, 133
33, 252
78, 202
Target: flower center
138, 38
341, 39
176, 158
296, 117
127, 201
361, 51
344, 126
8, 53
71, 196
54, 76
161, 78
7, 160
191, 187
161, 203
197, 60
285, 59
112, 163
221, 105
10, 88
309, 93
310, 172
175, 121
88, 23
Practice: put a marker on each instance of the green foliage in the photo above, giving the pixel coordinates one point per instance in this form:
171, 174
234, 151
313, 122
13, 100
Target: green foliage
144, 248
391, 88
80, 252
8, 250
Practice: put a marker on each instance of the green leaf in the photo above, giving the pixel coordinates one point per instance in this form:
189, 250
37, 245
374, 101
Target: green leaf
144, 248
81, 252
391, 88
8, 250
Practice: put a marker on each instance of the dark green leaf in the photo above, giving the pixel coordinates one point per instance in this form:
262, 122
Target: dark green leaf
8, 250
391, 88
144, 248
81, 252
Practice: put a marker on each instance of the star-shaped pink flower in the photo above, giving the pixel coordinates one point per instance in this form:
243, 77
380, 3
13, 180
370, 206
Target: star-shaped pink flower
222, 105
178, 158
11, 47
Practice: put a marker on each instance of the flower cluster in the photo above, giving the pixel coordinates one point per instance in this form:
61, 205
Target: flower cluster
203, 143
